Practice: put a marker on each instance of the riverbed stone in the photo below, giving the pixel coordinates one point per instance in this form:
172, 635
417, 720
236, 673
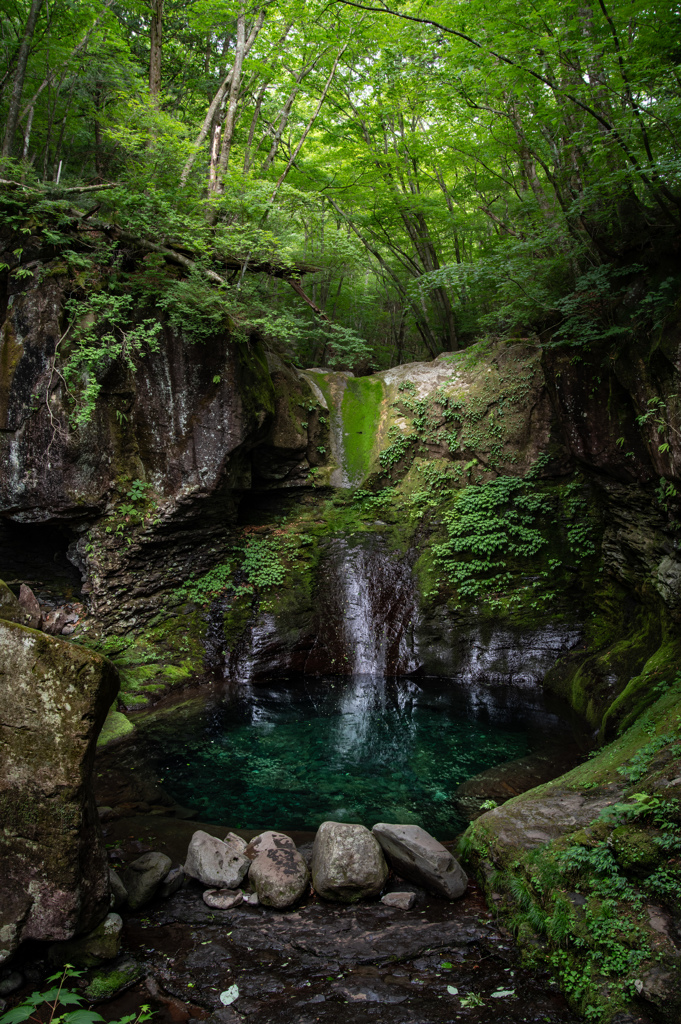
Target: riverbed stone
218, 864
172, 882
347, 863
399, 900
29, 602
10, 609
278, 872
143, 877
54, 695
418, 857
222, 899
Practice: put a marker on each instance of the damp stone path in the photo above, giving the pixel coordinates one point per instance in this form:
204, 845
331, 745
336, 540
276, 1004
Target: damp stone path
438, 962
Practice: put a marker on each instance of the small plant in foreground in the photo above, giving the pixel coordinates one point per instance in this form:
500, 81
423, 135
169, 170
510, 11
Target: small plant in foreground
52, 1006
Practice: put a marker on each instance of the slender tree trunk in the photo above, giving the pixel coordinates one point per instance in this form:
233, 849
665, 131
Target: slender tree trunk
283, 121
27, 134
98, 130
218, 98
156, 49
234, 89
19, 76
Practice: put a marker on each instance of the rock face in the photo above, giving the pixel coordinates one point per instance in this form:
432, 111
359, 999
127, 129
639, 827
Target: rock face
347, 863
143, 877
54, 697
417, 856
278, 872
217, 864
186, 423
119, 894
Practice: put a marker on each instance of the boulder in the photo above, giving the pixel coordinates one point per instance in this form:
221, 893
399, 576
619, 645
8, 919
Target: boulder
143, 877
400, 900
418, 857
119, 894
10, 983
221, 865
222, 899
54, 878
103, 943
108, 982
278, 873
347, 863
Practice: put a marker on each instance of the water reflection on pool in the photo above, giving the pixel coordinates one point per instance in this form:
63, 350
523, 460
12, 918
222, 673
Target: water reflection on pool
362, 749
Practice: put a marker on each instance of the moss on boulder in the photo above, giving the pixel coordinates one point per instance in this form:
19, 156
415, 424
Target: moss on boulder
116, 727
54, 698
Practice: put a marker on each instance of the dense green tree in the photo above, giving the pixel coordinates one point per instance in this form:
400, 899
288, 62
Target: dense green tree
449, 169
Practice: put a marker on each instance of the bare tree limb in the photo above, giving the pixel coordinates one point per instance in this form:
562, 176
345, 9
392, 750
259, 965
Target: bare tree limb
298, 288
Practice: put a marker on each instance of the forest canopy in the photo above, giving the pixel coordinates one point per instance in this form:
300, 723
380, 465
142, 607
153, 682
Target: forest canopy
362, 183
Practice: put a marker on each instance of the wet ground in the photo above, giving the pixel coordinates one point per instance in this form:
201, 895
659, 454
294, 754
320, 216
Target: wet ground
438, 962
320, 963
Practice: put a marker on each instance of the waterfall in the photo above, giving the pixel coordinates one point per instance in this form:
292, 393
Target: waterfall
374, 608
335, 383
364, 633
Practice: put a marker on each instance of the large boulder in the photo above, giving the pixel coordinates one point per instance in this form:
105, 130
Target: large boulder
278, 872
217, 864
54, 696
347, 863
143, 877
415, 855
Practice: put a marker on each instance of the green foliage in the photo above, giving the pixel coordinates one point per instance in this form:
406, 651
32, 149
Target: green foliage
102, 329
399, 448
537, 218
61, 1005
489, 524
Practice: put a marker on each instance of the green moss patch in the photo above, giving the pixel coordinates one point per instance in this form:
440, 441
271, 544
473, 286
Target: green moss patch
107, 983
579, 901
116, 727
361, 413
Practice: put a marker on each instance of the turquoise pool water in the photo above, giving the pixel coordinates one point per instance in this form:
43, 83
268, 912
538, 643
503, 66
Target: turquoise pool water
361, 749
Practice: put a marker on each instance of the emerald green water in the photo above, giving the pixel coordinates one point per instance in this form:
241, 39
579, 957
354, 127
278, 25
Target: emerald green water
361, 749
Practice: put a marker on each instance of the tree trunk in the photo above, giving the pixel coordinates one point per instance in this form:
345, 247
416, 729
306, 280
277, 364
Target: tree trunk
156, 49
234, 89
218, 98
19, 76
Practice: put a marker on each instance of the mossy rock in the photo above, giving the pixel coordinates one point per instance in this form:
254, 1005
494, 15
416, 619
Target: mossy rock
10, 609
54, 697
116, 727
635, 849
108, 983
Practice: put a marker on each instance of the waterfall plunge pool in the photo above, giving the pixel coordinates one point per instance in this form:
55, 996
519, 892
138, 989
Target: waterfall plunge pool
358, 749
